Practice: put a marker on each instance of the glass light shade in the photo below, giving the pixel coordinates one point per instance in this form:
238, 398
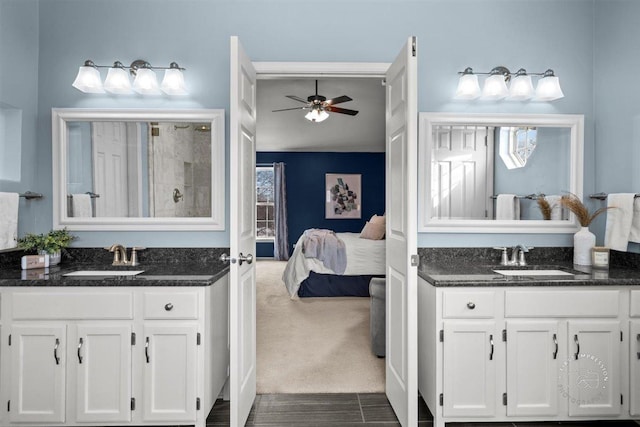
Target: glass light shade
548, 89
316, 115
468, 87
88, 80
521, 88
117, 81
173, 82
495, 87
146, 82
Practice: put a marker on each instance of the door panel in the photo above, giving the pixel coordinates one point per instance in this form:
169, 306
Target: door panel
634, 361
242, 284
401, 235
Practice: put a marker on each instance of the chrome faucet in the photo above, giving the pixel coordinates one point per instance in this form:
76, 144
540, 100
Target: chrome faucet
120, 255
518, 260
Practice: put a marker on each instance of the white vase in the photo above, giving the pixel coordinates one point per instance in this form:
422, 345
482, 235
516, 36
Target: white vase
583, 242
54, 258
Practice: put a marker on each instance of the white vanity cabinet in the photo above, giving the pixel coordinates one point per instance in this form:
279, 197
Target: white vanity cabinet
526, 353
634, 353
113, 356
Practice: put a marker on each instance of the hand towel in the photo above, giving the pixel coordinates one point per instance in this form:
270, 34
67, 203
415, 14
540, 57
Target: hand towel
9, 220
634, 235
557, 211
618, 228
81, 206
507, 206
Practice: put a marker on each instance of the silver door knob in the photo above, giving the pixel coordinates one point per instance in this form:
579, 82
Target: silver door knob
245, 258
227, 258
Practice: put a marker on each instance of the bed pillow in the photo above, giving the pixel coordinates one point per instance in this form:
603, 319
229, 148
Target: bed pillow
374, 229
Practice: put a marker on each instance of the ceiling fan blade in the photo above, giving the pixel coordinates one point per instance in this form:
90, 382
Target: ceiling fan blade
341, 110
338, 100
287, 109
297, 98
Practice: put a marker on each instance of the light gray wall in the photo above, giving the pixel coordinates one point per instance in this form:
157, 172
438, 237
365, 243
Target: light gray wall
452, 34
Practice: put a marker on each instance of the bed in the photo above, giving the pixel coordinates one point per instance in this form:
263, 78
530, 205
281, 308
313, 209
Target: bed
310, 277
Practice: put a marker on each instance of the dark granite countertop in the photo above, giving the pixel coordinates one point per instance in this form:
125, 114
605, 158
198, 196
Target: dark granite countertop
464, 267
188, 268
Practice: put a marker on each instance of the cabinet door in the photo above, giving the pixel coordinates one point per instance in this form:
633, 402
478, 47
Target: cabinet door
593, 367
38, 373
532, 367
103, 360
634, 362
170, 355
469, 387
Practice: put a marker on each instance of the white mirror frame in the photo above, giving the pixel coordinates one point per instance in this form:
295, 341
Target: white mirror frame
427, 224
60, 117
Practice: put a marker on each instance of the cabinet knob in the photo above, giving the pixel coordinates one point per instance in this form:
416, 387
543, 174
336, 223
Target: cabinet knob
471, 305
168, 306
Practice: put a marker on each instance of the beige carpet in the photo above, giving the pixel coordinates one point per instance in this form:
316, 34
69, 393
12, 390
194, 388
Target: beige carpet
312, 345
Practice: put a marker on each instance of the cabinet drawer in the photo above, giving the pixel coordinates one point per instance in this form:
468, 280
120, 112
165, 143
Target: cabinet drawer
468, 304
634, 310
72, 305
576, 302
170, 305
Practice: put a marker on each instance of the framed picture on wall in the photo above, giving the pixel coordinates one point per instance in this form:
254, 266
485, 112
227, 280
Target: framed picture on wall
344, 197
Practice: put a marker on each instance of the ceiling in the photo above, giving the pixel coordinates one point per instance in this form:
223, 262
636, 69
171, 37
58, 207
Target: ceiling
290, 131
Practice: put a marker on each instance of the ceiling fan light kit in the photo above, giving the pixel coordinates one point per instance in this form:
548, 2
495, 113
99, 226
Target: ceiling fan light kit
320, 106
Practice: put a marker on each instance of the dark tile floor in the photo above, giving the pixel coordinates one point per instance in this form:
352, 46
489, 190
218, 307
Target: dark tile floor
349, 410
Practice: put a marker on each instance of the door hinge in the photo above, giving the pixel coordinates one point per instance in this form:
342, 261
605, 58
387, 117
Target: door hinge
441, 335
504, 335
486, 213
155, 131
415, 260
621, 399
9, 339
133, 403
133, 338
413, 47
621, 336
486, 141
441, 399
198, 338
197, 403
504, 399
8, 406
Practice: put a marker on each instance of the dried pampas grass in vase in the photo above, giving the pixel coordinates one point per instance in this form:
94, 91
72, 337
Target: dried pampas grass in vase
584, 240
545, 208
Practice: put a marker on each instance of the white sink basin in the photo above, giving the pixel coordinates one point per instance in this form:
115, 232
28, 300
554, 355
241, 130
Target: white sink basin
104, 273
533, 273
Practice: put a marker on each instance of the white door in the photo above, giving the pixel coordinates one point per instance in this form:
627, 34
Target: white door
634, 361
401, 235
469, 377
170, 368
594, 367
103, 360
461, 167
38, 360
110, 168
533, 358
242, 285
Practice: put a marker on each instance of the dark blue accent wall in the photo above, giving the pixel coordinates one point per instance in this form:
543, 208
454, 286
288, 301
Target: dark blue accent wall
305, 179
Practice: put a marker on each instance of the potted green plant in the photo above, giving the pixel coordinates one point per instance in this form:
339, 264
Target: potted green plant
50, 243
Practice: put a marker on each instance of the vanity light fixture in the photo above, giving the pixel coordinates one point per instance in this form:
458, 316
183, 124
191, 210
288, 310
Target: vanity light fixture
520, 88
117, 81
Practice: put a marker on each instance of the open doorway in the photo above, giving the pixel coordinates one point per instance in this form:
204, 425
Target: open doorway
318, 345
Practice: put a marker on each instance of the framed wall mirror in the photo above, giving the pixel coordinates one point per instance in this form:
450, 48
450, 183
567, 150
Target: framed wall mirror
138, 169
493, 173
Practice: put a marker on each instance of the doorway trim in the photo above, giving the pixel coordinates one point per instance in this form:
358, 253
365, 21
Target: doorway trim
275, 70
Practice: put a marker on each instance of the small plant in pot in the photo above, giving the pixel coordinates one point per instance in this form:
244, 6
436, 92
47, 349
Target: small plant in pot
50, 243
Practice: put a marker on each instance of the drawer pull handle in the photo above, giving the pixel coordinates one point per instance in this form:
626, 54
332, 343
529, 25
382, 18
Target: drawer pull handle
638, 339
575, 339
555, 341
79, 348
168, 306
146, 349
491, 342
55, 352
471, 305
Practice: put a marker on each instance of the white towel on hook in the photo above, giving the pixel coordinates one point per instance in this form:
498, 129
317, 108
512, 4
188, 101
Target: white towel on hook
9, 220
81, 205
634, 235
507, 206
557, 211
619, 217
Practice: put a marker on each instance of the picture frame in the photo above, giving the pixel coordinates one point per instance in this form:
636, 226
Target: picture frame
343, 196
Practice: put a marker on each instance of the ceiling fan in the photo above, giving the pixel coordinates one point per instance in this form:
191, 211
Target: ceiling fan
320, 106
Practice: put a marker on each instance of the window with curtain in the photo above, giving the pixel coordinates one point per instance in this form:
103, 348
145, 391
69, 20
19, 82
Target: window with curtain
265, 199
